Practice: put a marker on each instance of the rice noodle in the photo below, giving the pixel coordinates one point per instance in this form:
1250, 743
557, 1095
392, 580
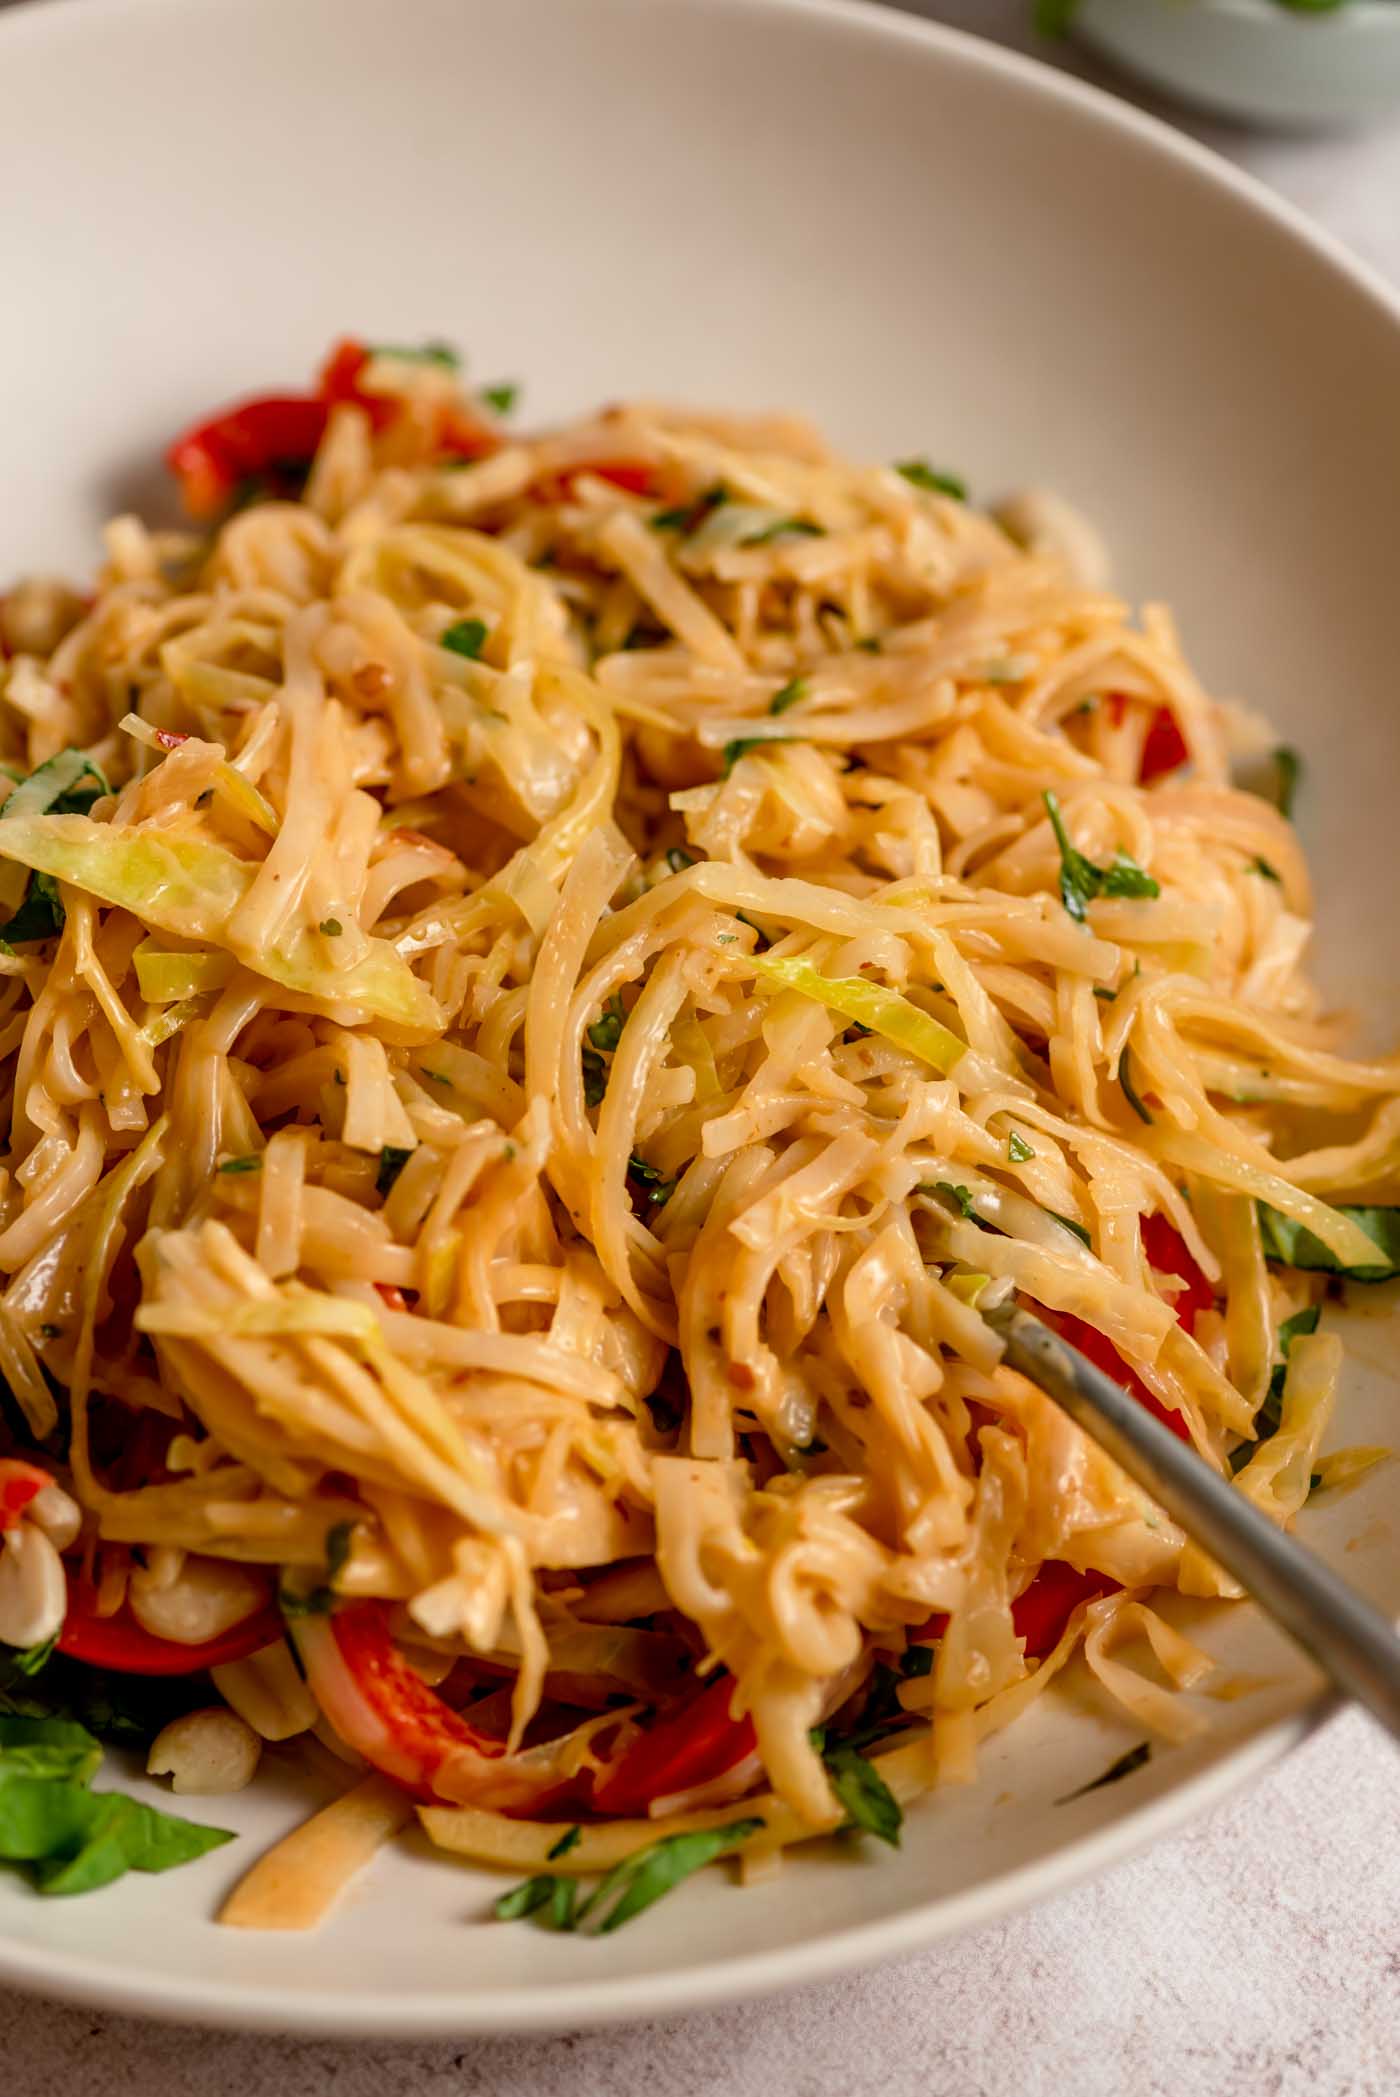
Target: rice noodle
586, 929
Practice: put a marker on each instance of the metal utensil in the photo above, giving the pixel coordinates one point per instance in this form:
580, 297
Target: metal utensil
1338, 1630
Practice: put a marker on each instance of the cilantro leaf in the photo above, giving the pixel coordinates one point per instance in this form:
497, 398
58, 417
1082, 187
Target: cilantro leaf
606, 1031
1130, 1091
501, 398
792, 691
1017, 1148
1081, 880
321, 1600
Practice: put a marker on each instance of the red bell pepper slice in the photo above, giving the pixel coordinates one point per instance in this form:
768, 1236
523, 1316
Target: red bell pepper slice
20, 1482
692, 1746
1166, 1251
1164, 747
120, 1643
276, 435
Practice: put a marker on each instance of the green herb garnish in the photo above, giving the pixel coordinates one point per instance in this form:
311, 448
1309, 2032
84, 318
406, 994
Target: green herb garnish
1017, 1149
427, 353
792, 691
1070, 1225
630, 1887
1081, 881
958, 1195
501, 398
567, 1841
249, 1164
743, 744
465, 637
867, 1798
321, 1600
1116, 1771
1130, 1091
606, 1032
659, 1188
1293, 1245
1289, 766
1269, 1418
920, 474
392, 1160
1261, 866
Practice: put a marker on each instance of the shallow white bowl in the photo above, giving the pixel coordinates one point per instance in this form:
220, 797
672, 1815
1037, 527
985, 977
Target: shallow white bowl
1257, 58
932, 247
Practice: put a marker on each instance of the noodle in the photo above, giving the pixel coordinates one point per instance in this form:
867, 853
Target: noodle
547, 981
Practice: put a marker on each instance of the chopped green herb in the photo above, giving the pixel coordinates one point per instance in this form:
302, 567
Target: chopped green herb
1289, 766
525, 1898
959, 1196
33, 1658
920, 474
1070, 1225
330, 928
1116, 1771
465, 637
867, 1798
439, 1077
427, 353
743, 744
659, 1188
501, 398
1130, 1091
1261, 866
631, 1886
252, 1164
792, 691
1106, 997
606, 1032
567, 1841
1017, 1149
1081, 881
321, 1600
783, 528
1295, 1246
595, 1078
392, 1160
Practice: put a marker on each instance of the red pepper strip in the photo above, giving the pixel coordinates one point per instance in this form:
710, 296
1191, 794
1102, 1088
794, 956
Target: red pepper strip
1164, 747
392, 1296
1104, 1355
1166, 1251
277, 432
1041, 1613
19, 1484
120, 1643
340, 381
628, 474
693, 1746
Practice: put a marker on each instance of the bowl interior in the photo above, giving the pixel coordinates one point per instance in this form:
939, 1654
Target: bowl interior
924, 244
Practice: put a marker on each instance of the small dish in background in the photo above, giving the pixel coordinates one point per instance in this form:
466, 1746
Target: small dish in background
1265, 60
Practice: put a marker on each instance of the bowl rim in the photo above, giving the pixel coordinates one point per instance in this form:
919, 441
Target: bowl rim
1276, 14
577, 2005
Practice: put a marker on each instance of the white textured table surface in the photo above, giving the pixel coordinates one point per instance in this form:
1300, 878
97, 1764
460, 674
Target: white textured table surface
1258, 1955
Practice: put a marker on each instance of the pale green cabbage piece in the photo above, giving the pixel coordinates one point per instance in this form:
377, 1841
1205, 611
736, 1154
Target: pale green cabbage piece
184, 886
870, 1005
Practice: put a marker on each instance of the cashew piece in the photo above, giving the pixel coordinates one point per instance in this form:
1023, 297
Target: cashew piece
33, 1587
205, 1752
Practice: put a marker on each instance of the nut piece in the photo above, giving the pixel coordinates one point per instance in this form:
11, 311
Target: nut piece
205, 1752
33, 1588
208, 1596
57, 1513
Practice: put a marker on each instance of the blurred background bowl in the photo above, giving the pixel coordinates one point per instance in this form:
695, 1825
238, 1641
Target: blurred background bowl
1258, 59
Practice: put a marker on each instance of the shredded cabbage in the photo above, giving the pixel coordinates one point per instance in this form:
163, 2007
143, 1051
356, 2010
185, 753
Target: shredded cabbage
884, 1012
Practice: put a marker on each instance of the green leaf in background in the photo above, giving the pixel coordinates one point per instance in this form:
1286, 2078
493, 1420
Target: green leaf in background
658, 1869
47, 1747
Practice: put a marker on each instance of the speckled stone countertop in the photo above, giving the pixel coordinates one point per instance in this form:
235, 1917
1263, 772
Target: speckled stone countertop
1257, 1955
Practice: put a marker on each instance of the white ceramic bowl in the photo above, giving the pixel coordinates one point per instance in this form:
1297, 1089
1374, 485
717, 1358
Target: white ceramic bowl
932, 247
1258, 58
